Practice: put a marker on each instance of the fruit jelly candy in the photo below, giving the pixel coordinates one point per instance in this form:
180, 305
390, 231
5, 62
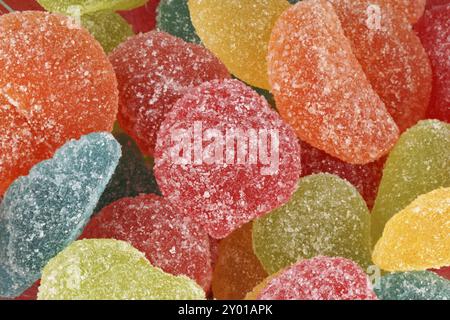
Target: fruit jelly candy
422, 285
238, 33
225, 190
433, 3
132, 176
320, 88
89, 6
58, 83
173, 17
443, 272
107, 269
154, 70
143, 19
45, 211
365, 178
418, 237
320, 278
325, 216
412, 10
391, 56
20, 5
238, 270
169, 239
31, 293
109, 28
434, 31
419, 163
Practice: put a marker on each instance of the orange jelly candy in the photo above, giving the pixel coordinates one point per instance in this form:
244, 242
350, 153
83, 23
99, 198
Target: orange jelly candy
56, 83
320, 88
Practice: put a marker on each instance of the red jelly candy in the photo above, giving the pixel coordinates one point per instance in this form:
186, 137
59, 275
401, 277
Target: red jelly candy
142, 19
320, 278
170, 240
225, 157
154, 70
20, 5
432, 3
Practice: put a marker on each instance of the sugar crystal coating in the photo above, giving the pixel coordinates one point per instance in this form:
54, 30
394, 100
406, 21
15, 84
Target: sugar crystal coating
418, 237
243, 162
422, 285
325, 216
238, 33
320, 88
89, 6
154, 70
45, 211
320, 278
411, 9
106, 269
419, 163
55, 83
169, 239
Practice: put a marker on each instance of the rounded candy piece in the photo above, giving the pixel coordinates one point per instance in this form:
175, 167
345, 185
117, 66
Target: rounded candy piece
154, 70
89, 6
238, 33
170, 240
418, 237
411, 9
320, 278
45, 211
142, 19
237, 270
391, 56
107, 269
419, 163
53, 94
320, 88
225, 156
325, 216
423, 285
173, 17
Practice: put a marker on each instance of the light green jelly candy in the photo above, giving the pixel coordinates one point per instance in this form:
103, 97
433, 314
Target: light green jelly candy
109, 28
326, 216
89, 6
418, 164
110, 270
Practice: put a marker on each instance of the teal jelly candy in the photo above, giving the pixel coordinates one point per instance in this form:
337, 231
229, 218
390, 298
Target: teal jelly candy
89, 6
133, 176
45, 211
423, 285
418, 164
173, 17
325, 216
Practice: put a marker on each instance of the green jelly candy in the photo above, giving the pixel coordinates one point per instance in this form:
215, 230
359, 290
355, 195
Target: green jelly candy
89, 6
418, 164
173, 17
326, 216
424, 285
109, 28
107, 269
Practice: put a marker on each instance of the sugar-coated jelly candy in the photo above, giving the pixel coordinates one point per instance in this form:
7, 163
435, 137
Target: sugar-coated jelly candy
173, 17
417, 238
433, 3
45, 211
391, 56
422, 285
132, 176
443, 272
20, 5
169, 239
325, 216
89, 6
154, 70
320, 88
237, 270
225, 157
434, 31
238, 33
365, 178
419, 163
320, 278
142, 19
30, 294
107, 269
412, 10
55, 82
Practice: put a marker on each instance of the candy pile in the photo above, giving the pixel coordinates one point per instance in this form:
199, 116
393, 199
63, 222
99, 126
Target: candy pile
243, 149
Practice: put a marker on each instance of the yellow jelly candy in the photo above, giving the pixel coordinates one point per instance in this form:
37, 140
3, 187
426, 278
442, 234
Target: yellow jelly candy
110, 270
238, 33
418, 237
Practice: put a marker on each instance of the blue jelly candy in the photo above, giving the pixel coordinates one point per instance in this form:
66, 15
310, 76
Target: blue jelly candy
45, 211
